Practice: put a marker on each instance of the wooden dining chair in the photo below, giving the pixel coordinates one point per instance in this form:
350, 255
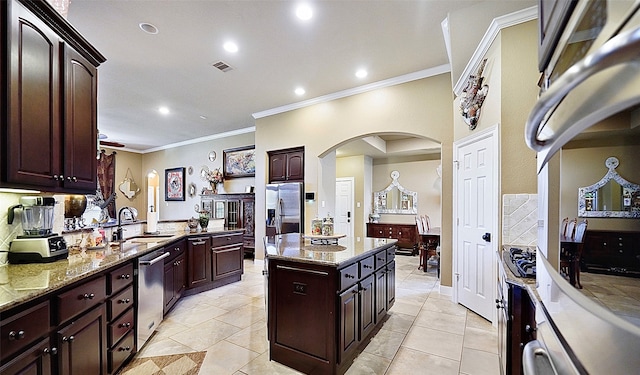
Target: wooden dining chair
563, 226
421, 245
571, 227
426, 222
580, 231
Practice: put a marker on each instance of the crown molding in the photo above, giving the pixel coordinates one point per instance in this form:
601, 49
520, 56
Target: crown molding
250, 129
356, 90
490, 35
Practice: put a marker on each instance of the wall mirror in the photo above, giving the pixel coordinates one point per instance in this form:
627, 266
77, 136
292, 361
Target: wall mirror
612, 196
395, 199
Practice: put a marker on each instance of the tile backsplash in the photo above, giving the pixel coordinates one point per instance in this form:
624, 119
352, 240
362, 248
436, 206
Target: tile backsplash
520, 219
8, 231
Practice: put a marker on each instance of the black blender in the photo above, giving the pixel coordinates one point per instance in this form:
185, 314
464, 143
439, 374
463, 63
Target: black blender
38, 244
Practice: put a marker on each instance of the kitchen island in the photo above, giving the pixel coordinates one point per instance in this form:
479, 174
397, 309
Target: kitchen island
324, 301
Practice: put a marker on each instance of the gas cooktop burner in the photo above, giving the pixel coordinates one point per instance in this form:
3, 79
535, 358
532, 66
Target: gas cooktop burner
521, 262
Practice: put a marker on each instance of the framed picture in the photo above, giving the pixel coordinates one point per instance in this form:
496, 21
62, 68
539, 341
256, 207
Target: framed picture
239, 162
174, 184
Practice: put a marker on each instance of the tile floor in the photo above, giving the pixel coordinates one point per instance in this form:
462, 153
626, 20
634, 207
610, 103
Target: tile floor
620, 294
425, 333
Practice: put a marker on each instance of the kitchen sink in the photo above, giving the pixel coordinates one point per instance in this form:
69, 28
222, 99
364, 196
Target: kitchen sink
147, 238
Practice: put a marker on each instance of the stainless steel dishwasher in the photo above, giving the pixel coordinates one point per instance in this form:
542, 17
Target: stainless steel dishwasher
150, 294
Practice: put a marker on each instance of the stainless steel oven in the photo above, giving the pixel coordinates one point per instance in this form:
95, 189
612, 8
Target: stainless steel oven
592, 81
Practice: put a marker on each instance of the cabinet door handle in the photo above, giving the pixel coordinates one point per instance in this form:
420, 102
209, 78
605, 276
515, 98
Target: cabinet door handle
366, 266
349, 276
87, 296
124, 348
124, 325
126, 277
126, 300
47, 351
70, 338
13, 335
176, 249
198, 242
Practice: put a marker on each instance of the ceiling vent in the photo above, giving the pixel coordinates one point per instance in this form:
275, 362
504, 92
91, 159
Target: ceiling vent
222, 66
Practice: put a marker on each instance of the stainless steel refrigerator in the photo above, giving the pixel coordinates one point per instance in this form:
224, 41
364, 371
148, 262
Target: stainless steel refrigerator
285, 208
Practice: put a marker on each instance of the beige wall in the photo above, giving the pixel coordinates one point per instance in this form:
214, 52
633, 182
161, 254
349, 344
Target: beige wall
418, 176
476, 17
511, 73
358, 167
193, 155
584, 167
133, 162
420, 108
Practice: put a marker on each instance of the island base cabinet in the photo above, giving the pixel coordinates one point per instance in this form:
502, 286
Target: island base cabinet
82, 345
349, 316
319, 315
390, 280
33, 361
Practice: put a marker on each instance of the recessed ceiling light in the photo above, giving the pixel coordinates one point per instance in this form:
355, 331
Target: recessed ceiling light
304, 12
361, 73
163, 110
231, 47
203, 117
300, 91
148, 28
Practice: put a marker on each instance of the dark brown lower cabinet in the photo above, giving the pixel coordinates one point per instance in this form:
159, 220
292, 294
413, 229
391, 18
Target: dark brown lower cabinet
214, 259
35, 360
82, 344
520, 327
199, 261
320, 315
227, 261
174, 281
349, 317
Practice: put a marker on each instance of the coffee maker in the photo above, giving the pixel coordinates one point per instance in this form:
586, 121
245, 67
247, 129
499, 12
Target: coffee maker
37, 244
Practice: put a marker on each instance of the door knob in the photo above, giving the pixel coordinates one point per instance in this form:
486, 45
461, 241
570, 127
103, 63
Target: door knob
487, 237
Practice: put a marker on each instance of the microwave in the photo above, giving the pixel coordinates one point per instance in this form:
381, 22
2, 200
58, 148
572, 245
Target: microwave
590, 75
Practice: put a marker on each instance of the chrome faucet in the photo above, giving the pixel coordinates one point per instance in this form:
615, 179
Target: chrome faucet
118, 235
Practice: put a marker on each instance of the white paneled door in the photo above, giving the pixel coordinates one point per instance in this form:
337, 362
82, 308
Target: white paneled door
343, 223
476, 201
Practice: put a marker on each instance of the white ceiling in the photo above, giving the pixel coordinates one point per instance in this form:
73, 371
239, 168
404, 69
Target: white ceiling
277, 53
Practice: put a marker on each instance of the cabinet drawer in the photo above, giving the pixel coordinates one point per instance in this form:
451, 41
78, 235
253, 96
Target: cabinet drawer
175, 249
120, 302
120, 327
23, 328
380, 258
227, 239
120, 278
391, 254
348, 276
367, 265
119, 353
81, 298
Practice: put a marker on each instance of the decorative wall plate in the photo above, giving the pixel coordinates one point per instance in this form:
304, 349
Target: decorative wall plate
212, 156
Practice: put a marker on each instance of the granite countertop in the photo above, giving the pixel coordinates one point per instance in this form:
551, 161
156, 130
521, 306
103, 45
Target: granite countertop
20, 283
295, 247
